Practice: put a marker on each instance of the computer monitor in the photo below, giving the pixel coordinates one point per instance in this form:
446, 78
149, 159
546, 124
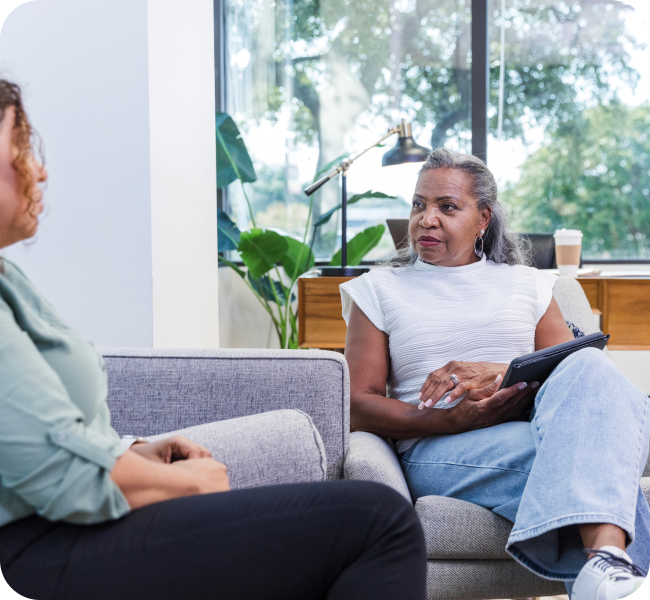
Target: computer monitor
543, 250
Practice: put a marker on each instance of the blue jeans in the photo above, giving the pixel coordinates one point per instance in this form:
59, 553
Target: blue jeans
578, 460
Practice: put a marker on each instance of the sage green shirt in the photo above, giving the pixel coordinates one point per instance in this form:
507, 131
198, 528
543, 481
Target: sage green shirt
57, 447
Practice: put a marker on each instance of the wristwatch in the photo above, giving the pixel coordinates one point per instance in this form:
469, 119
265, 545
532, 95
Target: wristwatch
129, 440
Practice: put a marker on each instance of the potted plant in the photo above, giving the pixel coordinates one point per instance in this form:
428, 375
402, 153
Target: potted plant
266, 253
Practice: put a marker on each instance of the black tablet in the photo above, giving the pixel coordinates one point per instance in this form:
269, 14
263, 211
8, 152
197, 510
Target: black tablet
537, 366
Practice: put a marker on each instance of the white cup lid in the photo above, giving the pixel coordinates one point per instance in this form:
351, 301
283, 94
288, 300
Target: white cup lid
567, 232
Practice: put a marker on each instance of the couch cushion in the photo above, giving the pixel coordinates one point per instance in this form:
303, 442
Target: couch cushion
455, 529
272, 448
574, 305
156, 390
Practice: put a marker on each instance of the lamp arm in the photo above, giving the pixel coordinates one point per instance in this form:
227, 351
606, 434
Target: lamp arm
345, 165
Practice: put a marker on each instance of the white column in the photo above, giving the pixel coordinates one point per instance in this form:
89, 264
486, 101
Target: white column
183, 174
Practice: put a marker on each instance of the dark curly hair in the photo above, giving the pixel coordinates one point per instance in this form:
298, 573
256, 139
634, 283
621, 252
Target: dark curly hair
24, 137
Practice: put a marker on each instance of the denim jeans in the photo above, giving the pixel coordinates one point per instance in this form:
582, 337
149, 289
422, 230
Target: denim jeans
578, 460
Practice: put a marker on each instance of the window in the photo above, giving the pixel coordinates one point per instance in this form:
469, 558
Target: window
572, 147
309, 80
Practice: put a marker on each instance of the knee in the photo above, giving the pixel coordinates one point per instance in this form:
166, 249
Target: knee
589, 357
395, 514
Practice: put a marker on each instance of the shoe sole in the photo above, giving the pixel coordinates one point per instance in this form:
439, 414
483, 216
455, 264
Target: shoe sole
637, 586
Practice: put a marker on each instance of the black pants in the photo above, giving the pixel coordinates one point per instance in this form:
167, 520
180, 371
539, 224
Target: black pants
336, 540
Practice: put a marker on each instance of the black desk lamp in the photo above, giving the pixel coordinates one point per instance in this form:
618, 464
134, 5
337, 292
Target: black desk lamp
406, 150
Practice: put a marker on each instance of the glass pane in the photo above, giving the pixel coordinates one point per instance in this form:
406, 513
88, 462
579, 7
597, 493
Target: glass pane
571, 148
310, 80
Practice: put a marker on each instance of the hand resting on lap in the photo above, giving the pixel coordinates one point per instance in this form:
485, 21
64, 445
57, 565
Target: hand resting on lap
471, 375
166, 469
171, 449
489, 406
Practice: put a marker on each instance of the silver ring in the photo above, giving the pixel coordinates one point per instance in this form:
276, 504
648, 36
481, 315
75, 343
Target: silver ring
454, 379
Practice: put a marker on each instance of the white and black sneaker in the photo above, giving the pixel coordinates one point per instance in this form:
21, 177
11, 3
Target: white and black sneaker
609, 575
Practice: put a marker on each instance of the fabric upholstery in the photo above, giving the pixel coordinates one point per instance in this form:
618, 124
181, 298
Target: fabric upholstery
154, 391
372, 458
574, 305
474, 579
455, 529
281, 446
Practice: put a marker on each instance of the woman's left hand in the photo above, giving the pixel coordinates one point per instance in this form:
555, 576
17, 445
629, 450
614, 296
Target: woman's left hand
470, 375
171, 449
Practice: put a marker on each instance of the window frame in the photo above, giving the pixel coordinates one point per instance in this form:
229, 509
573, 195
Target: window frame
480, 90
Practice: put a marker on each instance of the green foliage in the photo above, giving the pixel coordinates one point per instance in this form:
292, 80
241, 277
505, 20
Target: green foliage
268, 289
233, 161
552, 50
298, 259
264, 250
593, 175
360, 245
324, 218
261, 250
228, 233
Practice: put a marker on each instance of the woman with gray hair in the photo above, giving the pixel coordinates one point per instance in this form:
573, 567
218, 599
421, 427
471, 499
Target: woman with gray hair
437, 328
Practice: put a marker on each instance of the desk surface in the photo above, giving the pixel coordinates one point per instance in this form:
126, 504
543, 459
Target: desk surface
623, 302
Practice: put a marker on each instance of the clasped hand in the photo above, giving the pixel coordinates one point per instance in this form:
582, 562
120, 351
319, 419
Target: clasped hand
210, 475
484, 403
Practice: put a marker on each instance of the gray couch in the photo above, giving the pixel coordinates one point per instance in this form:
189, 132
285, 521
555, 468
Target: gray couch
158, 391
304, 396
465, 542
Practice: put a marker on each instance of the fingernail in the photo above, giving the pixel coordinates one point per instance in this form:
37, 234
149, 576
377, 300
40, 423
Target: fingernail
448, 400
535, 384
421, 406
419, 395
429, 402
498, 378
522, 385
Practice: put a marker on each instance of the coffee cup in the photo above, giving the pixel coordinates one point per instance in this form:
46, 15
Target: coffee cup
568, 243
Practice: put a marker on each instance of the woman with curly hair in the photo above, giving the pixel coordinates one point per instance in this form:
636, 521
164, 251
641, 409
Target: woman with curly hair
83, 517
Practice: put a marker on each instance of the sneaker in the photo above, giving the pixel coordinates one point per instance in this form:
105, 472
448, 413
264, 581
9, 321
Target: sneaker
609, 575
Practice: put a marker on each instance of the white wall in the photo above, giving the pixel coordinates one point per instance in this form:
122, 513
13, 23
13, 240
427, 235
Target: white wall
122, 92
183, 174
84, 71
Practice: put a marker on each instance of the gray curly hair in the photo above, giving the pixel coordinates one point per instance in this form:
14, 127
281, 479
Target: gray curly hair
500, 244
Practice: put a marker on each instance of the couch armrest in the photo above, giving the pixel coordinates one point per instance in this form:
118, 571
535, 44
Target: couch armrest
372, 458
574, 305
281, 446
153, 391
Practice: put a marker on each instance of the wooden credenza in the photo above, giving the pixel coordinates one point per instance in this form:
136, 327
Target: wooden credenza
623, 303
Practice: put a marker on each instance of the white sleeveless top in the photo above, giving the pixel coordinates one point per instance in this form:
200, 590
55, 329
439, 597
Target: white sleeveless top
433, 315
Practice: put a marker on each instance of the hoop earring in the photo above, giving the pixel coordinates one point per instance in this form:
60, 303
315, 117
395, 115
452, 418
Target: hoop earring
478, 252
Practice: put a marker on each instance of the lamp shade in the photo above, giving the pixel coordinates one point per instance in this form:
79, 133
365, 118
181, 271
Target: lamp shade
406, 150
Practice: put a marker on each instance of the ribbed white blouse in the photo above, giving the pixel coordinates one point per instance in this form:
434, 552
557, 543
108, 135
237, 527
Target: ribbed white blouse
433, 315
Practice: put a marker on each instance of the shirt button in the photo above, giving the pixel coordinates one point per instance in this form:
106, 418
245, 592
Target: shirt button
60, 436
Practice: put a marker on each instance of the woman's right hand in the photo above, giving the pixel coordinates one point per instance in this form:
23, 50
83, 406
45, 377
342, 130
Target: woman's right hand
209, 475
490, 406
144, 481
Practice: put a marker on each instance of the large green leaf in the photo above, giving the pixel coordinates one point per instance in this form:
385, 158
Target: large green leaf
360, 245
330, 164
229, 234
230, 145
298, 259
324, 218
263, 287
261, 249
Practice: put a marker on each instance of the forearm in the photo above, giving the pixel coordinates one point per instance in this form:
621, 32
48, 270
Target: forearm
395, 419
145, 482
